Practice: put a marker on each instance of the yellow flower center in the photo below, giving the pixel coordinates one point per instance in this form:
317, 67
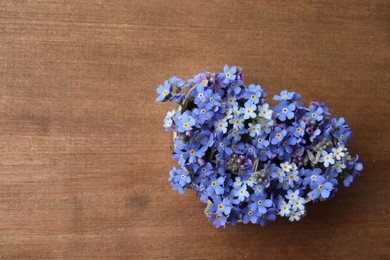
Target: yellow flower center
213, 184
204, 82
165, 92
185, 125
192, 152
278, 135
220, 206
228, 75
313, 115
320, 187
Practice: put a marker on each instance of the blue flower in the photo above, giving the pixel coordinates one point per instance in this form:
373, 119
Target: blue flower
164, 91
229, 74
184, 122
250, 216
221, 206
199, 95
241, 192
253, 93
288, 144
235, 88
218, 220
216, 186
260, 204
270, 215
298, 203
285, 110
338, 122
321, 187
237, 121
212, 100
315, 113
297, 129
327, 158
196, 151
179, 179
177, 98
221, 125
284, 208
284, 95
310, 175
261, 141
343, 134
223, 146
278, 135
253, 129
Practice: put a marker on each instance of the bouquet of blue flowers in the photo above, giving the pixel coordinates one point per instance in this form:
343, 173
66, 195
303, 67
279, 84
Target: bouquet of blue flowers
250, 163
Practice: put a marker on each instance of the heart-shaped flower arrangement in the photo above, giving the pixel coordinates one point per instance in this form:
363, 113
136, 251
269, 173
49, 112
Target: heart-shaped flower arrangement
250, 163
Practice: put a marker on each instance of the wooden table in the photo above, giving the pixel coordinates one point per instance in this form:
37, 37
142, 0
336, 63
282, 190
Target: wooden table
84, 159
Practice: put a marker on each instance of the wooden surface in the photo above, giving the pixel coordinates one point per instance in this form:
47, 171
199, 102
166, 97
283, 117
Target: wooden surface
84, 159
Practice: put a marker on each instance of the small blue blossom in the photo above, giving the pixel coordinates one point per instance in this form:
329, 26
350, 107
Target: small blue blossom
249, 110
179, 179
216, 186
321, 187
164, 91
327, 158
278, 135
297, 129
315, 113
284, 95
184, 122
221, 206
260, 203
241, 192
229, 73
285, 110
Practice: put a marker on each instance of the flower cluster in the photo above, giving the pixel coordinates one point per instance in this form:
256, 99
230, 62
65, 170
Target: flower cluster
250, 163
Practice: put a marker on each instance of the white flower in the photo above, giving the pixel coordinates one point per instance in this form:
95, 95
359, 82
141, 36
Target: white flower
295, 216
284, 209
327, 158
264, 112
285, 166
338, 152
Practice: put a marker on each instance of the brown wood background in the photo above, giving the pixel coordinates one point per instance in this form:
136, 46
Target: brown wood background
84, 159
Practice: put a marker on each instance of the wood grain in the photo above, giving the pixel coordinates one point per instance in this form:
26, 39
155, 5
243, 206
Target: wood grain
84, 159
